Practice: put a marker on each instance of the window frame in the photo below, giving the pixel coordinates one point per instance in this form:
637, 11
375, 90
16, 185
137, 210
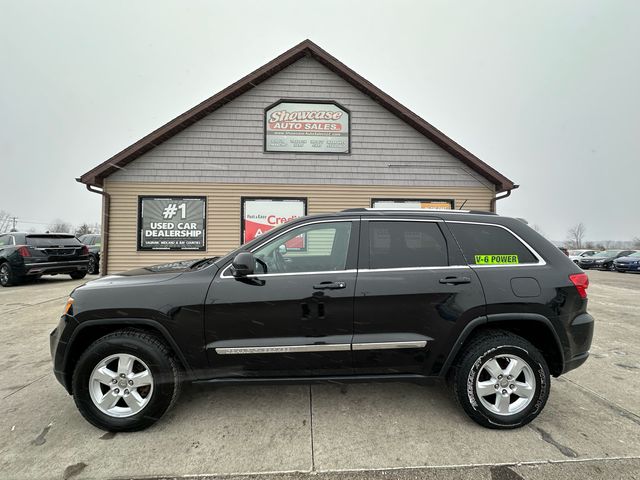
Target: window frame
352, 252
541, 261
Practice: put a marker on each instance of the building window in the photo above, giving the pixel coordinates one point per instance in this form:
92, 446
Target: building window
172, 223
413, 203
259, 215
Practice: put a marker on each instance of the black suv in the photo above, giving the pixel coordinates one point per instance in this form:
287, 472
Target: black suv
28, 256
480, 300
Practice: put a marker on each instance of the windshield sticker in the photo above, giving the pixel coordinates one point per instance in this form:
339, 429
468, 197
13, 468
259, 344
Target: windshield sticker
496, 259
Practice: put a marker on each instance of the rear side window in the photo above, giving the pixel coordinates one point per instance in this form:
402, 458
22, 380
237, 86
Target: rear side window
490, 245
406, 244
52, 240
5, 240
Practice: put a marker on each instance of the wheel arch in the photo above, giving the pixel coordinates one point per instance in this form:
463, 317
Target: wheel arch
89, 331
526, 325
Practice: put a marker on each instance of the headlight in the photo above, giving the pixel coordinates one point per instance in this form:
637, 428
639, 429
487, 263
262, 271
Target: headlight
68, 307
599, 261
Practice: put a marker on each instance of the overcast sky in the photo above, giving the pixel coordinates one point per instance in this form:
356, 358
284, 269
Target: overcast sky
546, 92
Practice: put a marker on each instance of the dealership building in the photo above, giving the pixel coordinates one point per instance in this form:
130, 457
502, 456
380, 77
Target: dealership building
302, 134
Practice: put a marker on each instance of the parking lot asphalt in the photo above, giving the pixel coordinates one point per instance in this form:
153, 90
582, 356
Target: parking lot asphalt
590, 427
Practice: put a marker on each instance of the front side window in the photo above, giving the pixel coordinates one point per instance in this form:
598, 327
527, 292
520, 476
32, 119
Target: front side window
406, 244
317, 247
490, 245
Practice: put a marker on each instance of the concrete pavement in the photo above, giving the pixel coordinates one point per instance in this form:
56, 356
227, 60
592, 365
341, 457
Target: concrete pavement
589, 429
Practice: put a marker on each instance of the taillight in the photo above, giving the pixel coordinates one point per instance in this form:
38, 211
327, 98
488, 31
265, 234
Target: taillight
84, 251
581, 282
24, 251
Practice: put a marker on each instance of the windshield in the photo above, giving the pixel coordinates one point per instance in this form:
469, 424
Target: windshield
608, 253
634, 254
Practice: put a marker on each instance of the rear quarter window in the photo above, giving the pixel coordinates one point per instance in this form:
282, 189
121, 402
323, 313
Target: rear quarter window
490, 245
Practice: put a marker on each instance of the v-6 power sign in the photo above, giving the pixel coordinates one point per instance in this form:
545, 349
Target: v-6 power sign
306, 127
172, 223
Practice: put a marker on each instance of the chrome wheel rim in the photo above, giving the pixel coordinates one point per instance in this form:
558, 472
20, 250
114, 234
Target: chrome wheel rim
92, 265
505, 384
121, 385
4, 274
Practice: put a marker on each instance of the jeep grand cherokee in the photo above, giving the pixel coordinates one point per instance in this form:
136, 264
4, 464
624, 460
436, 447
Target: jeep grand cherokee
480, 300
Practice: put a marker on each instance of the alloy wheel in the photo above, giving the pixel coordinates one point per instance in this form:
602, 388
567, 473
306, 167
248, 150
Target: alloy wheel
121, 385
505, 384
91, 267
4, 274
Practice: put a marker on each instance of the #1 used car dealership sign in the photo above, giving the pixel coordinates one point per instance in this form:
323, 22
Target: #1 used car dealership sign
172, 223
306, 127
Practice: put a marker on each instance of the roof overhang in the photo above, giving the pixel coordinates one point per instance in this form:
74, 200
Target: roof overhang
96, 175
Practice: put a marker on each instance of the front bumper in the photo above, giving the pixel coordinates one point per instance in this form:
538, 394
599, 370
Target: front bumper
627, 267
58, 340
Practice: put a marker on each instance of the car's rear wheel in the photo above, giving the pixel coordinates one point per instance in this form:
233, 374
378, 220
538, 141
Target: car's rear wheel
78, 275
125, 381
501, 380
92, 266
7, 276
612, 267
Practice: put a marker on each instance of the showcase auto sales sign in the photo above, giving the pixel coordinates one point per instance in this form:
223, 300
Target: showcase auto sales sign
306, 127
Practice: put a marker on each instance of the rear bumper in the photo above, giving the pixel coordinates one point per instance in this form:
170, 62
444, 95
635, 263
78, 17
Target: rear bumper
580, 335
49, 268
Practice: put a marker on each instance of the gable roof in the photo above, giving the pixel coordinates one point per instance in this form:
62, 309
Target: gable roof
96, 175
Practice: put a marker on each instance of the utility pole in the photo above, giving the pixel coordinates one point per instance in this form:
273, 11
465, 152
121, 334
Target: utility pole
14, 224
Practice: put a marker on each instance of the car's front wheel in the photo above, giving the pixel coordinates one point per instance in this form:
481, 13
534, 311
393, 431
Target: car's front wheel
125, 381
501, 380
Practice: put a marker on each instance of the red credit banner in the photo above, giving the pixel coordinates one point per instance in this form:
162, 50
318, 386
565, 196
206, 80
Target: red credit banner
260, 216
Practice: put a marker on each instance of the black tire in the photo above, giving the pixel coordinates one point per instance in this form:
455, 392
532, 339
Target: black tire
93, 267
469, 366
7, 276
154, 353
78, 275
612, 267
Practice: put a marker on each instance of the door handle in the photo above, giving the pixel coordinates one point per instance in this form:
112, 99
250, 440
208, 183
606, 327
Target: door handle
329, 286
455, 280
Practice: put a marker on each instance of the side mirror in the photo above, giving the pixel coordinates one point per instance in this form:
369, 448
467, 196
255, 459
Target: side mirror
243, 264
282, 249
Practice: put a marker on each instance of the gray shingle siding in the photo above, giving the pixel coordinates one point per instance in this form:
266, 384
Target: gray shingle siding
227, 145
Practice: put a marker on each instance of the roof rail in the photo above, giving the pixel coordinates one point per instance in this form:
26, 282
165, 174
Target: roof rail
414, 210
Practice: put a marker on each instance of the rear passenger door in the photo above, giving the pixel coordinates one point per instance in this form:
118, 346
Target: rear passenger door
413, 288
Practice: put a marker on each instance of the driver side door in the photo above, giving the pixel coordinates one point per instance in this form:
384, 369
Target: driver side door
294, 315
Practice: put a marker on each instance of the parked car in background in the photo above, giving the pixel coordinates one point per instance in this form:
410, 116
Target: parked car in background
25, 256
93, 241
603, 260
630, 263
564, 250
576, 255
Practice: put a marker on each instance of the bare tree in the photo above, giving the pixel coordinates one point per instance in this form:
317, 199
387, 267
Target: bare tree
575, 235
60, 226
636, 242
5, 221
83, 229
